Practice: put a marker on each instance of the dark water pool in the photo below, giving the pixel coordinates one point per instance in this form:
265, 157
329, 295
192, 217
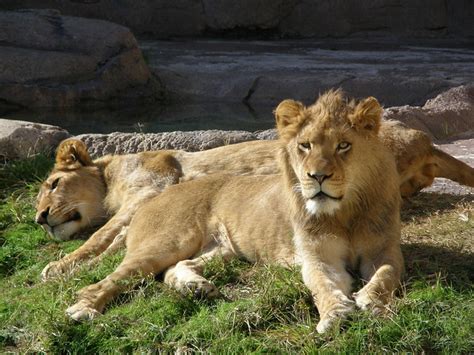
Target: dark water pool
152, 119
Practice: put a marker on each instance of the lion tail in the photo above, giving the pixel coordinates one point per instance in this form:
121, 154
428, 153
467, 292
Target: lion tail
451, 168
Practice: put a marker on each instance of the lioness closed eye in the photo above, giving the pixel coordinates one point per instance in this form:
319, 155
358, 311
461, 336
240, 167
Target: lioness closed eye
338, 196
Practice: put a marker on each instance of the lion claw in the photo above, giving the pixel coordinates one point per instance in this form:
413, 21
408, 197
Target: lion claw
81, 311
51, 271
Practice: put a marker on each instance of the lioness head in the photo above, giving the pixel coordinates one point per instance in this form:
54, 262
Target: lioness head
71, 198
326, 145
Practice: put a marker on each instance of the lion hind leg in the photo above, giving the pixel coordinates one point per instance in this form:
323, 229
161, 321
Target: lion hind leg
186, 275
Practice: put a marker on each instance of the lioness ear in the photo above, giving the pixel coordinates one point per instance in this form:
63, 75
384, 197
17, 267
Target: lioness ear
288, 117
72, 154
367, 115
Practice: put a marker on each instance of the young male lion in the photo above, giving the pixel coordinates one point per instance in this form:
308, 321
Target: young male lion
334, 207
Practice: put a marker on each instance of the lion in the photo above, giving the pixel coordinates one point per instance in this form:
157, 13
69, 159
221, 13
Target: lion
81, 192
334, 206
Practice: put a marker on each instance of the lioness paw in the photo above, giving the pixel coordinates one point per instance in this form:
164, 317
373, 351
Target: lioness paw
201, 289
367, 302
53, 270
81, 311
334, 316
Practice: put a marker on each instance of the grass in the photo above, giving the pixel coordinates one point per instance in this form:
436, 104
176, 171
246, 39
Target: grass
263, 308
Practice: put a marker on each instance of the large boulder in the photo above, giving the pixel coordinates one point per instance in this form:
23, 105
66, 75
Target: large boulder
20, 139
49, 60
449, 114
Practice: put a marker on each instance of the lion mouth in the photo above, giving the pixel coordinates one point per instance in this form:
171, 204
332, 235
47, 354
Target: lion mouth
321, 195
76, 216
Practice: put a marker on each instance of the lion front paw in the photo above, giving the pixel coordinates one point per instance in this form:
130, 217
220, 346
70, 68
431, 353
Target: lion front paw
54, 269
332, 317
201, 289
369, 302
82, 311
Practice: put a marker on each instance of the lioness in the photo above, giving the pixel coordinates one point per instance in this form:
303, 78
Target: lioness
336, 200
80, 192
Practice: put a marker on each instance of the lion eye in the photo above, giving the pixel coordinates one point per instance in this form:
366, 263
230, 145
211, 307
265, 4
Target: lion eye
305, 146
55, 184
343, 147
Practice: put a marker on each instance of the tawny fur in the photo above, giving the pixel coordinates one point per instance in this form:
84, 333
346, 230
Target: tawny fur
113, 187
330, 147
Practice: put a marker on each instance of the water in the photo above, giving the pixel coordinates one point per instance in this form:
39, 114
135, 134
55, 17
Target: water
157, 118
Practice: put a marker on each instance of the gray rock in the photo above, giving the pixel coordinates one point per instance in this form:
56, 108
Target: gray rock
291, 18
257, 72
225, 15
449, 114
20, 139
49, 60
122, 143
344, 17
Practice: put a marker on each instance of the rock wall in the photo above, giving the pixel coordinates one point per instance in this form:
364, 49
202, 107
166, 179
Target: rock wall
275, 18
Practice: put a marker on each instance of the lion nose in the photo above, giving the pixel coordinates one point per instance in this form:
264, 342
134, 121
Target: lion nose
320, 177
42, 218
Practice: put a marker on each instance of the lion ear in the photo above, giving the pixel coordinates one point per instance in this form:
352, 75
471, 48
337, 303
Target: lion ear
72, 154
288, 115
367, 115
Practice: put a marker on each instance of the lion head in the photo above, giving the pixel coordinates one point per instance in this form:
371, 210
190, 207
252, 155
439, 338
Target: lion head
330, 150
71, 198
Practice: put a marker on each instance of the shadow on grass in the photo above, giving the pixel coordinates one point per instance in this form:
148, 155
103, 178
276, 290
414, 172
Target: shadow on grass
18, 173
425, 204
423, 261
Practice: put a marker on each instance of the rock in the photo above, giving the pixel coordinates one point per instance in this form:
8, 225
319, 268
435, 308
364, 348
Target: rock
122, 143
277, 18
49, 60
228, 15
257, 72
448, 114
342, 18
20, 139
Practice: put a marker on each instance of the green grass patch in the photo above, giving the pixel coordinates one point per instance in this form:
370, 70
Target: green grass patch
263, 308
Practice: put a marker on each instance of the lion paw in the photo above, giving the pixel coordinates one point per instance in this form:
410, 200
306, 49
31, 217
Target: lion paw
332, 317
368, 302
53, 270
201, 289
82, 311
